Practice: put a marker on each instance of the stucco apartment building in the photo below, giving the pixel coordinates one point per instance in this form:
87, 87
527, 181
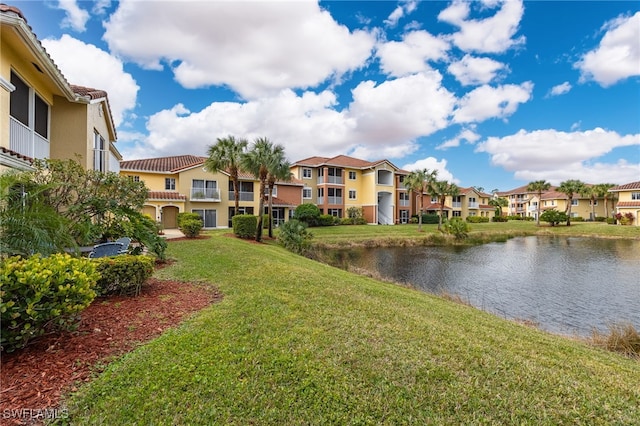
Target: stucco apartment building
628, 200
41, 114
524, 203
181, 184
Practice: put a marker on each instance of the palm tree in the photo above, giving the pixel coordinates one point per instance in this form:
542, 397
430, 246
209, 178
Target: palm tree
538, 186
226, 155
419, 181
570, 187
442, 189
499, 203
279, 170
602, 191
258, 161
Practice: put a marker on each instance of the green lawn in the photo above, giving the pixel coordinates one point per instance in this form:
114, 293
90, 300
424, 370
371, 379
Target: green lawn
298, 342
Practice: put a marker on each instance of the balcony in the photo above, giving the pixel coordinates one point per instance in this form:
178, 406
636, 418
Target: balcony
330, 179
456, 205
202, 194
474, 205
330, 200
244, 196
25, 141
403, 203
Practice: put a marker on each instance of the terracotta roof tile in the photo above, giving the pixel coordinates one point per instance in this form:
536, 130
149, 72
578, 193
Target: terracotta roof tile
16, 155
626, 187
628, 203
166, 195
163, 164
341, 161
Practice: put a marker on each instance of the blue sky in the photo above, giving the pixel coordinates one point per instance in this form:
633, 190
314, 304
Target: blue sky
489, 93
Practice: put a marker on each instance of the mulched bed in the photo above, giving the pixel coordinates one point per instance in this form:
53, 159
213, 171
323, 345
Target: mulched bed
35, 377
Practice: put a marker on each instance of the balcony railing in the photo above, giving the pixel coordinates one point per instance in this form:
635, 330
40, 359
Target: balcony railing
456, 205
403, 203
330, 200
474, 205
244, 196
330, 179
202, 194
25, 141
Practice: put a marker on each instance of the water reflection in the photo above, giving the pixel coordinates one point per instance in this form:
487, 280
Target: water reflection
566, 285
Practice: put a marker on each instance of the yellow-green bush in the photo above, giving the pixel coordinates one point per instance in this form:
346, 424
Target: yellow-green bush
123, 274
41, 293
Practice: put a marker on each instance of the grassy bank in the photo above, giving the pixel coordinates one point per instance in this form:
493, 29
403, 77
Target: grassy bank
298, 342
376, 236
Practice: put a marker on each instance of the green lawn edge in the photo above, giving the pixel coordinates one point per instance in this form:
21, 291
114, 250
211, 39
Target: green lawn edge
297, 342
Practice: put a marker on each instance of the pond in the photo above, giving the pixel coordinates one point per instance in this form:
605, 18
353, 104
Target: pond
564, 285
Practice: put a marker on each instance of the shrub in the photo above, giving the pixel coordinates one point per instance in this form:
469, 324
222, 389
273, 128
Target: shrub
577, 219
187, 216
191, 227
499, 219
308, 213
123, 274
244, 225
600, 218
430, 219
477, 219
327, 220
553, 217
626, 219
622, 338
611, 220
457, 227
294, 236
38, 293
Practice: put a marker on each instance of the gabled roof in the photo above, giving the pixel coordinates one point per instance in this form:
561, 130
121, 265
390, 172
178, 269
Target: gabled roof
173, 164
12, 17
91, 95
626, 187
341, 161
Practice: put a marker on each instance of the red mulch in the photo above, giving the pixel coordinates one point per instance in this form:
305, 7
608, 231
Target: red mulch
35, 377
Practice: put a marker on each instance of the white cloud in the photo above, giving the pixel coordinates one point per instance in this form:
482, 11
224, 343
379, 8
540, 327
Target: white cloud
556, 156
560, 89
465, 135
432, 163
474, 71
100, 6
487, 102
491, 35
76, 18
397, 111
255, 48
410, 55
304, 124
383, 121
404, 8
87, 65
618, 55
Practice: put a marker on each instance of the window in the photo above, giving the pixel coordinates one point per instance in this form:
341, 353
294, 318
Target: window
574, 202
352, 194
209, 217
635, 196
434, 199
401, 180
19, 100
204, 189
404, 198
134, 178
306, 173
593, 202
335, 212
352, 175
456, 213
274, 192
306, 193
170, 184
100, 153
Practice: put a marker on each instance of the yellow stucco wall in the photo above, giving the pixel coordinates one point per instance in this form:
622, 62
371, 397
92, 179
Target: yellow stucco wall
69, 129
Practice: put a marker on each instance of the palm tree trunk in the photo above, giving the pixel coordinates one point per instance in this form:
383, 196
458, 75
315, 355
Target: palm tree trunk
261, 212
270, 210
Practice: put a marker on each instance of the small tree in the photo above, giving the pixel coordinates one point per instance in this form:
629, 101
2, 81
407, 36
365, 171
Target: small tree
553, 217
294, 236
570, 188
538, 186
457, 227
308, 213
